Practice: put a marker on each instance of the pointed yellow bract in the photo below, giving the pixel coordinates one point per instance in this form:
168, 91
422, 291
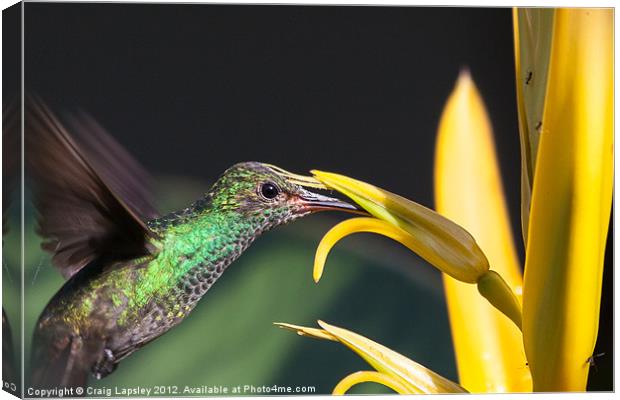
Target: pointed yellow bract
571, 201
468, 190
410, 376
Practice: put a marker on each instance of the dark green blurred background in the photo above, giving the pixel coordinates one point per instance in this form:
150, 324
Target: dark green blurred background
192, 89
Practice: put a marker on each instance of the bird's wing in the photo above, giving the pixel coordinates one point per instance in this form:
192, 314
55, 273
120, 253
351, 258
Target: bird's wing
91, 196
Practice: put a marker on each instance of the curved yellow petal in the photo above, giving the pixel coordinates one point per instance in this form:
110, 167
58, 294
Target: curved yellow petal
532, 37
374, 225
435, 238
414, 377
468, 189
370, 376
490, 284
571, 202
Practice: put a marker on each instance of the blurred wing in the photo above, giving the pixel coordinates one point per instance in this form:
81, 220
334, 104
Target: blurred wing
90, 195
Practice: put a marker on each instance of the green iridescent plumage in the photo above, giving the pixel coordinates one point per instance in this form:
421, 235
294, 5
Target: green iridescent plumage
131, 278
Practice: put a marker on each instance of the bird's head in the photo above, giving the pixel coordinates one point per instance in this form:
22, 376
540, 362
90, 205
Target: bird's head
267, 196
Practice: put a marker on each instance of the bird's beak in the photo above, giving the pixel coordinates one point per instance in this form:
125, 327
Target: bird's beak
312, 201
315, 202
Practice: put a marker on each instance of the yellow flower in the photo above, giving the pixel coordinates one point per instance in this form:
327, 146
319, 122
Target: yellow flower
394, 370
564, 61
441, 242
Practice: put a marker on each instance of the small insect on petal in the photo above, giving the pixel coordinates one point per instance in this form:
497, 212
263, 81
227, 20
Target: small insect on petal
314, 333
533, 29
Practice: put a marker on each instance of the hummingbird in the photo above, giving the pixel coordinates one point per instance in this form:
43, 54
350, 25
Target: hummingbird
133, 275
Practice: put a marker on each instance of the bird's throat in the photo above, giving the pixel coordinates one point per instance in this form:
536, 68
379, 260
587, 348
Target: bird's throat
196, 252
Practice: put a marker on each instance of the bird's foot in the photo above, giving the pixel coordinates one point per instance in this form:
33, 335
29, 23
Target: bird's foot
105, 366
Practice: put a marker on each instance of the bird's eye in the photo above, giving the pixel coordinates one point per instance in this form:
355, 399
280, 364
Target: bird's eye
269, 190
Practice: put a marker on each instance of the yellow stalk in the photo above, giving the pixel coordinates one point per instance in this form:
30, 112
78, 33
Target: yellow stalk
532, 37
495, 289
415, 378
369, 376
571, 202
468, 190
